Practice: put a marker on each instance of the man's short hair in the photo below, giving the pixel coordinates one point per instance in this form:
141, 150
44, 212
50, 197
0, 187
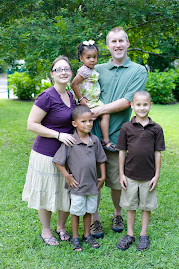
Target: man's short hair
145, 93
79, 110
116, 30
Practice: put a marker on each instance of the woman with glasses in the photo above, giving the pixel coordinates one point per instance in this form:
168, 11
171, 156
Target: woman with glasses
50, 119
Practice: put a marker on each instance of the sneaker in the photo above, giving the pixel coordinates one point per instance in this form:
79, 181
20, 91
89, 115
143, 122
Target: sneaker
96, 229
144, 243
117, 225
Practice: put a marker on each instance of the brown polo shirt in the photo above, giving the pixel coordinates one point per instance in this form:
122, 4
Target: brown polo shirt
140, 142
81, 160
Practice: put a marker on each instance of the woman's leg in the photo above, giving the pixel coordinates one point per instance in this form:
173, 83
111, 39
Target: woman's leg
45, 217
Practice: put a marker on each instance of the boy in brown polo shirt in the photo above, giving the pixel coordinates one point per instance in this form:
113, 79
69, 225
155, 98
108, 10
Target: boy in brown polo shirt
82, 180
140, 142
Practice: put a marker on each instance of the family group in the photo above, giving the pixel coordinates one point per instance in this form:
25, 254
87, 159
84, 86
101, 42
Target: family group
86, 141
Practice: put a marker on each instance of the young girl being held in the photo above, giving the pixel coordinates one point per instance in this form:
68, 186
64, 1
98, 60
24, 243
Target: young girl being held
86, 86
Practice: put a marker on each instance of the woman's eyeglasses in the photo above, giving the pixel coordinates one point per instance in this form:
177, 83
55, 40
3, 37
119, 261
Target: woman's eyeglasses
60, 70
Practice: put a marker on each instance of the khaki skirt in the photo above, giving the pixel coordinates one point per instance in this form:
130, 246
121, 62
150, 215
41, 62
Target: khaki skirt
45, 185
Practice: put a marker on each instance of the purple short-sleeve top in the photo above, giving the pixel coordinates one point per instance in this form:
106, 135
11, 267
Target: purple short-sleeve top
58, 118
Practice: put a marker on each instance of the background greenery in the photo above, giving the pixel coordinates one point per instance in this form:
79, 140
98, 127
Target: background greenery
20, 243
37, 31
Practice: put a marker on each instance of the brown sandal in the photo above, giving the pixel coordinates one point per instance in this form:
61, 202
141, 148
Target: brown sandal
52, 241
125, 242
63, 235
144, 242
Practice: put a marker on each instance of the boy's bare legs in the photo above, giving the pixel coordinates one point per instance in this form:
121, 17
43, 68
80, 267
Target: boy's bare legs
130, 222
87, 223
145, 222
75, 224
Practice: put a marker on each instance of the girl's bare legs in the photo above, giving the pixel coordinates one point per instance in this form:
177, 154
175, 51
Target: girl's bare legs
45, 217
105, 127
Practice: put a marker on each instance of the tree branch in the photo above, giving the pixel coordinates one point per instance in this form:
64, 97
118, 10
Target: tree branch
154, 53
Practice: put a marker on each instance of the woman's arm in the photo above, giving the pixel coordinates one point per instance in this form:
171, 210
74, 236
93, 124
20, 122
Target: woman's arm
34, 124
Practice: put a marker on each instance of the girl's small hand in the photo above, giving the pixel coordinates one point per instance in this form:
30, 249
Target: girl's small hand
71, 181
67, 139
84, 102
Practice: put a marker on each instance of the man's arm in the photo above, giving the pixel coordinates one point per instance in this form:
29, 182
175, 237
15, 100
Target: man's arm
154, 180
113, 107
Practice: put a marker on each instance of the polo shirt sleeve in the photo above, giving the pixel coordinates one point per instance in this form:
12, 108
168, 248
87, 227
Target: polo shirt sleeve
122, 140
100, 154
84, 72
137, 83
43, 101
61, 155
159, 139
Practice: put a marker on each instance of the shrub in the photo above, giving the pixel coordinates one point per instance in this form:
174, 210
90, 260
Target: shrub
176, 90
161, 86
22, 85
45, 85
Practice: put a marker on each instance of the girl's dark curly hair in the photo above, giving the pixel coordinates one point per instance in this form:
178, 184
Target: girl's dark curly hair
82, 47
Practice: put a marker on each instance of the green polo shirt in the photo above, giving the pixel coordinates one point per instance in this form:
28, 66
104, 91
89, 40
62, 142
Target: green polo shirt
118, 82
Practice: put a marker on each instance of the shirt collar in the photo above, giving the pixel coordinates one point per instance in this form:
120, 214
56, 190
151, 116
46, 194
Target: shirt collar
125, 64
78, 140
133, 120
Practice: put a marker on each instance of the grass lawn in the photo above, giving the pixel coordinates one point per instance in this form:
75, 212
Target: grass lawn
20, 243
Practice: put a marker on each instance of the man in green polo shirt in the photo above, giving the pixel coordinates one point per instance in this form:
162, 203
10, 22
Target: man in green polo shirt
119, 79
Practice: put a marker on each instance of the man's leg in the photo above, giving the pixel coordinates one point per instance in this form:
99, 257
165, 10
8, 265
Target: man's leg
117, 225
96, 227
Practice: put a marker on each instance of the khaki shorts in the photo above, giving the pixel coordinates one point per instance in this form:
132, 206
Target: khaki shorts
82, 204
112, 170
138, 195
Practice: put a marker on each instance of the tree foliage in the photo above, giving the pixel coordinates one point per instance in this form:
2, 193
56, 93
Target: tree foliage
40, 30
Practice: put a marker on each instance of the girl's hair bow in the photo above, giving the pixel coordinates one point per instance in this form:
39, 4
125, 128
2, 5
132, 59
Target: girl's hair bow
87, 43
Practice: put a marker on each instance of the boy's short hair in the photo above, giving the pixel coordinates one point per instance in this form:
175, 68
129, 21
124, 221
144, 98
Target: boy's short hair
145, 93
79, 110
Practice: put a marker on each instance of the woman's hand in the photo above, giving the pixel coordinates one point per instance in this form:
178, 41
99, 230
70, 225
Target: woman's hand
67, 139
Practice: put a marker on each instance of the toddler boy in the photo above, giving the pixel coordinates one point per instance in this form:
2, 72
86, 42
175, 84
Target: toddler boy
82, 180
140, 142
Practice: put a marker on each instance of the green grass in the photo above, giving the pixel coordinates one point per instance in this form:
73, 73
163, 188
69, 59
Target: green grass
20, 244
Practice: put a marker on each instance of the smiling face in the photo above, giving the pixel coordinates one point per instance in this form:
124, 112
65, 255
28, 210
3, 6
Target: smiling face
61, 72
118, 45
89, 57
83, 123
141, 105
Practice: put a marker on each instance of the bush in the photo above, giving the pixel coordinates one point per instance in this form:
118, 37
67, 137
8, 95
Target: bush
176, 90
45, 85
22, 85
161, 86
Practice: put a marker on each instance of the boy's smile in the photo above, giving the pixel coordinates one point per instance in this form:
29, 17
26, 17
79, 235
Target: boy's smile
141, 106
83, 123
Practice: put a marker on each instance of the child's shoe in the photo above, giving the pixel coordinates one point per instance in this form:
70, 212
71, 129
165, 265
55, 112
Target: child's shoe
144, 243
